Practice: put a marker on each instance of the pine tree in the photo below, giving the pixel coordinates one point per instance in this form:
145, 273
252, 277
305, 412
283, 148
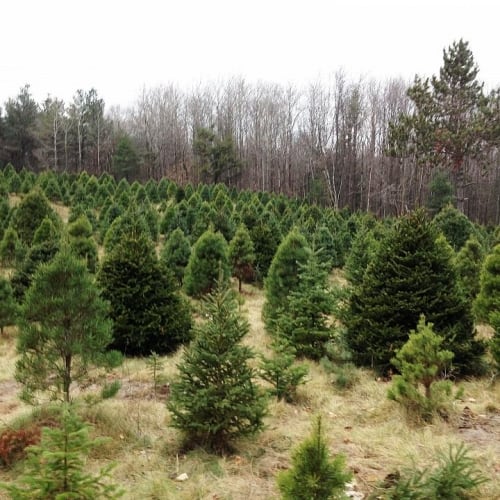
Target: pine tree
215, 400
208, 255
241, 255
468, 264
55, 469
283, 276
422, 362
9, 309
64, 328
175, 254
440, 192
411, 274
314, 475
304, 322
148, 312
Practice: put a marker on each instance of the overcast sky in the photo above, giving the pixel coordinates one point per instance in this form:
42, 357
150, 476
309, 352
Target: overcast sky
120, 46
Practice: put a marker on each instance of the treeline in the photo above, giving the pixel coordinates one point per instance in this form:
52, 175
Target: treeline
341, 143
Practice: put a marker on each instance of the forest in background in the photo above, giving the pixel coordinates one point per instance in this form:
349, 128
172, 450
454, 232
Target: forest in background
382, 147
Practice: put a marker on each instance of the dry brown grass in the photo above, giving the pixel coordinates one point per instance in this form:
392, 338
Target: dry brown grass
362, 423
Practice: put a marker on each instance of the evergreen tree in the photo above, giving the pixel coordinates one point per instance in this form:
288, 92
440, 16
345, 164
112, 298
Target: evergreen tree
215, 400
11, 249
55, 469
410, 275
125, 160
266, 237
282, 372
46, 232
468, 264
64, 328
456, 227
82, 243
449, 123
8, 306
29, 214
363, 249
304, 321
148, 313
208, 256
440, 192
487, 304
175, 254
241, 255
314, 476
283, 276
422, 362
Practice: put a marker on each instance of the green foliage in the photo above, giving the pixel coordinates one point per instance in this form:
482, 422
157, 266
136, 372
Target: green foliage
468, 264
216, 158
283, 275
148, 313
55, 469
282, 372
422, 362
130, 221
241, 255
11, 248
110, 390
363, 249
175, 253
440, 192
9, 309
488, 300
64, 328
305, 321
125, 160
411, 274
454, 477
46, 232
314, 475
266, 237
30, 213
155, 365
454, 225
208, 255
215, 400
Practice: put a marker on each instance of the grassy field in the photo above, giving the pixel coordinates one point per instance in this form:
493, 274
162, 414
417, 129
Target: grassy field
371, 431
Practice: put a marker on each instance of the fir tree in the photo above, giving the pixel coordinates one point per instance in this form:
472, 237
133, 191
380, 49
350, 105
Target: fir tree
208, 255
30, 213
46, 232
55, 469
314, 475
148, 313
456, 227
11, 249
304, 322
241, 255
283, 275
175, 254
215, 400
282, 372
363, 249
468, 264
9, 309
64, 328
411, 274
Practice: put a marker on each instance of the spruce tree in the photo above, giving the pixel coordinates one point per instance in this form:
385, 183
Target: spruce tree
411, 274
147, 311
55, 469
283, 275
208, 255
241, 255
64, 328
304, 321
9, 309
175, 254
314, 475
215, 400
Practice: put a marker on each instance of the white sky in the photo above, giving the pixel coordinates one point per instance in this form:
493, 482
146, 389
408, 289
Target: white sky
118, 47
